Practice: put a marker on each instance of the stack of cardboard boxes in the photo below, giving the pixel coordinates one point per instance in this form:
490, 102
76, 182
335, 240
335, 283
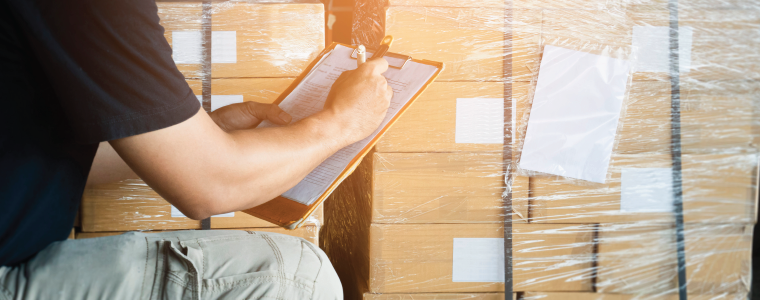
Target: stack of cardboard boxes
399, 227
636, 245
423, 213
256, 51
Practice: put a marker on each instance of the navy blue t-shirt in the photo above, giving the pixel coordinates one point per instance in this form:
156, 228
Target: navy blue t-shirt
73, 74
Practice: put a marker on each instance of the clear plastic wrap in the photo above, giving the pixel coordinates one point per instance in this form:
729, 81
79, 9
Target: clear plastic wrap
423, 216
229, 52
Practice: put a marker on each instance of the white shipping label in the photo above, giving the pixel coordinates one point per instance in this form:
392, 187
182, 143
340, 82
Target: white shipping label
178, 214
651, 46
646, 190
186, 47
479, 121
478, 260
219, 101
223, 47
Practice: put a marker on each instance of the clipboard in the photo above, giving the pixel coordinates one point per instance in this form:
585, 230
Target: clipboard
291, 214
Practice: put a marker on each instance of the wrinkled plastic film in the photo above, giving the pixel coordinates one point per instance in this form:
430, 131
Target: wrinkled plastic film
229, 52
422, 217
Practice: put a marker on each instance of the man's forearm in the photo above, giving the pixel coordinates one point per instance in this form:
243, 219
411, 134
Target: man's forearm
229, 171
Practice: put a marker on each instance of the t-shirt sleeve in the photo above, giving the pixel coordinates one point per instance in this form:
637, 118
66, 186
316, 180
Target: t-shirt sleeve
109, 64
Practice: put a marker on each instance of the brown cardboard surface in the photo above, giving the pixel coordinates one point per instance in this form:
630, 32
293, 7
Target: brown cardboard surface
72, 235
441, 188
273, 40
468, 40
600, 296
722, 40
417, 258
244, 220
309, 233
128, 205
263, 90
641, 258
181, 16
714, 117
437, 296
133, 205
536, 4
430, 124
719, 188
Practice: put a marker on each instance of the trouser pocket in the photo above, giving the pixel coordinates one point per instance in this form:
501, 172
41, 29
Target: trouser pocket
178, 272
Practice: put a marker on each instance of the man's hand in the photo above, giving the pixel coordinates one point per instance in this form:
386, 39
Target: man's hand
247, 115
359, 99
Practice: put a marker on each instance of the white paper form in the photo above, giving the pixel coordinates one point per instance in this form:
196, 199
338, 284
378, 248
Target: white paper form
309, 97
575, 114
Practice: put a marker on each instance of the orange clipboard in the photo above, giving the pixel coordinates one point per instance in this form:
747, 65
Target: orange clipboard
291, 214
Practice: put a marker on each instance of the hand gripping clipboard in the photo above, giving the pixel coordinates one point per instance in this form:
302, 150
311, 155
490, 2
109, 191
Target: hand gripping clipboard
291, 214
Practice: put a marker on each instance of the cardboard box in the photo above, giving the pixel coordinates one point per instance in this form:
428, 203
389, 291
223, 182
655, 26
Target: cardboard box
425, 258
263, 90
535, 4
716, 42
309, 233
715, 117
247, 39
446, 118
641, 258
469, 40
437, 296
719, 188
184, 19
600, 296
133, 205
440, 188
265, 40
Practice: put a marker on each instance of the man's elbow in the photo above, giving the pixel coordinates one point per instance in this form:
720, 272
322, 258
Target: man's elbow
195, 212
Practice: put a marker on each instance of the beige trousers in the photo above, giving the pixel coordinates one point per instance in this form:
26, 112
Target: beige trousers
203, 264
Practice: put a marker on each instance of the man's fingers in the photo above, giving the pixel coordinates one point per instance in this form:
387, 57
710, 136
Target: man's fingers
270, 112
376, 65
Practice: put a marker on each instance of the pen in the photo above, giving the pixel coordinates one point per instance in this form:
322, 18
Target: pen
384, 46
361, 55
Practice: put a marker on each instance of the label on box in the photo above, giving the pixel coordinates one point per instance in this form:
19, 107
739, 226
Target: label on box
478, 260
223, 47
651, 46
187, 47
479, 121
219, 101
178, 214
646, 190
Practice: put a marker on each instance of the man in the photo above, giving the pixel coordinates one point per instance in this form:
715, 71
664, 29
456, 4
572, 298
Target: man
74, 74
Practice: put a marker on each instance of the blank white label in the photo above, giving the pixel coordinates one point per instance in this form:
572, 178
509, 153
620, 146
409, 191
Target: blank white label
479, 121
178, 214
652, 48
186, 47
478, 260
219, 101
200, 99
223, 47
646, 190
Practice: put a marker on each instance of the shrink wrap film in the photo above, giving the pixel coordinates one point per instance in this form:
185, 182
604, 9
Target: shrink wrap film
624, 149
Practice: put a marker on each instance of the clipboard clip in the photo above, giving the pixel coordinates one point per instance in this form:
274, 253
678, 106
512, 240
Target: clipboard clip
395, 60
